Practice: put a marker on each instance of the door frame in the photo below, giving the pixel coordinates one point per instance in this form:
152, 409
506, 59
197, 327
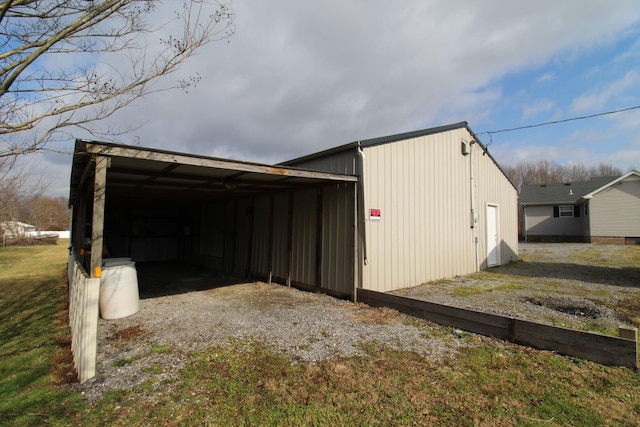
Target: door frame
496, 219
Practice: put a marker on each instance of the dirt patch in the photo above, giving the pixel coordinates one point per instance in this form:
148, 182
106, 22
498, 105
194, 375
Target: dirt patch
565, 305
121, 337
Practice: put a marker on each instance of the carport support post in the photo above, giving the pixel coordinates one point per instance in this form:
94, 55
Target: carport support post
97, 227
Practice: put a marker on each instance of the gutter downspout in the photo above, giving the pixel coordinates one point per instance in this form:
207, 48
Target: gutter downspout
472, 218
361, 231
363, 234
524, 219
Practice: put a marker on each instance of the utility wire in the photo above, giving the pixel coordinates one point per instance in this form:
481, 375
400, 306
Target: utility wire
560, 121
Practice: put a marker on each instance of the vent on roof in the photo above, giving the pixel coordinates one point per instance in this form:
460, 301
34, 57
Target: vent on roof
543, 185
567, 183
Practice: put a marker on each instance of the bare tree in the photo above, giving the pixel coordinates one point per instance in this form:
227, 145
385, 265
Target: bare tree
545, 172
61, 61
16, 183
45, 213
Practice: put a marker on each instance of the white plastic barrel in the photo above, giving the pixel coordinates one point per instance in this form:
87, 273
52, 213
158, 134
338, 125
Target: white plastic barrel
119, 295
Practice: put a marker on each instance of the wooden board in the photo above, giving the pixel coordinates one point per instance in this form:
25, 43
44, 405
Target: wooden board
598, 348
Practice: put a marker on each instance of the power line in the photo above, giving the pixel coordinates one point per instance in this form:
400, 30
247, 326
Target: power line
560, 121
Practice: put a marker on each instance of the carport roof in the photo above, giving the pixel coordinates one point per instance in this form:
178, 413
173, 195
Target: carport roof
138, 172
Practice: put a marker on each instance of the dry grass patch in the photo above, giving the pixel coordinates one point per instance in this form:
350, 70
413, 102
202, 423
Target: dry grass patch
244, 383
376, 316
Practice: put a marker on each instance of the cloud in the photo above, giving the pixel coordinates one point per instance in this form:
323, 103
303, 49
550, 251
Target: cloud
598, 100
547, 77
298, 77
539, 106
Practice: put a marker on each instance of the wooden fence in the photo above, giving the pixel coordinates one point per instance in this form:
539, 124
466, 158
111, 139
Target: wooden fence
84, 295
598, 348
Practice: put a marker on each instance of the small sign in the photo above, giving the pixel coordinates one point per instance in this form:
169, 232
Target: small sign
375, 214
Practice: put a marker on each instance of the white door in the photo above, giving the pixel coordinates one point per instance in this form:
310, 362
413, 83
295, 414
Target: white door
493, 239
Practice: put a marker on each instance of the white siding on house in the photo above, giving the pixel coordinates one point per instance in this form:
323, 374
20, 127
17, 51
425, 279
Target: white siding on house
541, 222
615, 211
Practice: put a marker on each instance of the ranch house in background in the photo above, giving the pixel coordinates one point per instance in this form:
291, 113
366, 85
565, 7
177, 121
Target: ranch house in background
603, 210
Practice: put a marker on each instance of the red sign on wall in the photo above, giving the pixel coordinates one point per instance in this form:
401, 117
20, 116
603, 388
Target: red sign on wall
375, 214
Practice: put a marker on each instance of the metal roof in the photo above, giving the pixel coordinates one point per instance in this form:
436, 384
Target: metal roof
137, 172
376, 141
398, 137
562, 192
415, 134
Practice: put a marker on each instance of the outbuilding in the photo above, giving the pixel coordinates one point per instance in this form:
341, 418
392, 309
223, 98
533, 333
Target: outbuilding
378, 214
433, 204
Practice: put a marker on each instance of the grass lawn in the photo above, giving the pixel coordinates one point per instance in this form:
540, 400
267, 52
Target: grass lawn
244, 383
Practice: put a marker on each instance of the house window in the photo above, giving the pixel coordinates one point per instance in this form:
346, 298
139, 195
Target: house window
566, 211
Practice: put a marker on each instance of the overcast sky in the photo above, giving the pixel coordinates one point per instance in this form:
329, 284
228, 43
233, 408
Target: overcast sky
298, 77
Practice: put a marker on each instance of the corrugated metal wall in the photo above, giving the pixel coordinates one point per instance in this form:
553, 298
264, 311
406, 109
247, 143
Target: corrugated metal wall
422, 187
304, 237
615, 212
338, 238
286, 243
243, 232
280, 242
261, 241
344, 162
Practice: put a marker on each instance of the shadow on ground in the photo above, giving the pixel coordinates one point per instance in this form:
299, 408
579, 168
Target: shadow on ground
168, 278
621, 276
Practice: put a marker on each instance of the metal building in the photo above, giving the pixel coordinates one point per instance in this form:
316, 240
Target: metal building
381, 214
432, 204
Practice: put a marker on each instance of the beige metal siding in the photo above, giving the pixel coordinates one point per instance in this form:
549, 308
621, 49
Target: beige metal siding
494, 188
422, 187
615, 212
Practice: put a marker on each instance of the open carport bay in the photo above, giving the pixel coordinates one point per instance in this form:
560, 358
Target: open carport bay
247, 220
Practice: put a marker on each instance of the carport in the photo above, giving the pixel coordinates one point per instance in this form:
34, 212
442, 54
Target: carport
278, 224
283, 224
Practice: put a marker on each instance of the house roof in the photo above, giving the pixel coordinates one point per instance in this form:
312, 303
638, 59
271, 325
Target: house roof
614, 182
562, 192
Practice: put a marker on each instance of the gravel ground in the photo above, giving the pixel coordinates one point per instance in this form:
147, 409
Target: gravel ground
189, 315
560, 284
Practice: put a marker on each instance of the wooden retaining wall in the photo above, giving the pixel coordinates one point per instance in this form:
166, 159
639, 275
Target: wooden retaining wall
84, 295
602, 349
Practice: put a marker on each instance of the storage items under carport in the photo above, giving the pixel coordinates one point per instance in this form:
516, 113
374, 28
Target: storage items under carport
119, 296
